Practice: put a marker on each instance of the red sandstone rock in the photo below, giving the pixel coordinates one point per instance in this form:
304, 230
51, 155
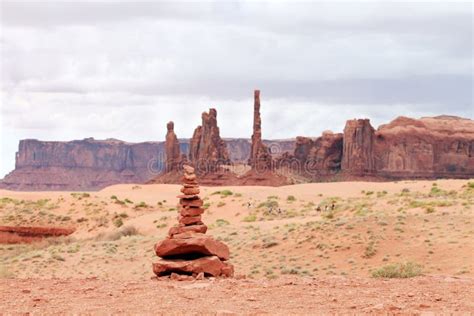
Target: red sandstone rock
315, 158
188, 197
200, 244
184, 229
191, 211
358, 155
210, 266
173, 153
189, 220
191, 203
190, 190
28, 234
207, 150
260, 157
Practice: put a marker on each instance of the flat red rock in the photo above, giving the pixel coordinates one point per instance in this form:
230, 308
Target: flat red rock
192, 203
191, 211
189, 220
188, 197
190, 191
183, 229
212, 266
199, 244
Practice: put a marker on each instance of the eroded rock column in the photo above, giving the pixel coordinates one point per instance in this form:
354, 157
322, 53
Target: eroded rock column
260, 157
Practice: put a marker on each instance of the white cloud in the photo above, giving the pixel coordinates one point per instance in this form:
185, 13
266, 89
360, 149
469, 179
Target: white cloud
76, 70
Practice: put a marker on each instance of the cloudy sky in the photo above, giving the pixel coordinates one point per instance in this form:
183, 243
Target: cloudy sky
71, 70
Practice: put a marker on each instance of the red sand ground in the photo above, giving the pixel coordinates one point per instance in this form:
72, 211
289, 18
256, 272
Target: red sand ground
288, 295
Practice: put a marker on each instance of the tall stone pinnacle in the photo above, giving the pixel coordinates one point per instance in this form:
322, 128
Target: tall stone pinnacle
260, 157
173, 153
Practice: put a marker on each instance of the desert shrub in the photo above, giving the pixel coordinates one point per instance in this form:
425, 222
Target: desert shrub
58, 257
141, 205
269, 242
6, 273
291, 198
128, 201
118, 222
269, 204
223, 193
369, 193
250, 218
116, 235
114, 197
398, 270
470, 185
206, 206
405, 191
370, 250
221, 222
429, 209
220, 204
328, 214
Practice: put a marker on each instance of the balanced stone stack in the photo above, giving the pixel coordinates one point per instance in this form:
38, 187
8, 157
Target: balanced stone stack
187, 250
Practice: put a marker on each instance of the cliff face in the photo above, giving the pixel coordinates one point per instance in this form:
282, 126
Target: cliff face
82, 165
358, 145
92, 164
439, 147
430, 147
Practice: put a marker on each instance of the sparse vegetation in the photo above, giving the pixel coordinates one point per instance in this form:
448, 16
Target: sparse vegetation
398, 270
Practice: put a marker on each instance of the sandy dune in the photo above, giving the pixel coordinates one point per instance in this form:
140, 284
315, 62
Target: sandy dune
274, 234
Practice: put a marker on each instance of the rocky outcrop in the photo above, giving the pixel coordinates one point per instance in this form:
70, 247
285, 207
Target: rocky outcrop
187, 250
83, 165
427, 148
29, 234
260, 157
172, 149
437, 147
94, 164
358, 148
207, 150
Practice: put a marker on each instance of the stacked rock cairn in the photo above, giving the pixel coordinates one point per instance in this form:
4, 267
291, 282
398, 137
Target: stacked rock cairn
188, 250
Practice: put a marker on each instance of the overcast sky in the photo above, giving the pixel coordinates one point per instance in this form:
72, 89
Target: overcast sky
71, 70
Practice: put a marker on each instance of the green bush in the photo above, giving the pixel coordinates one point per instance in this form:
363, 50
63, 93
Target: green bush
291, 198
398, 270
223, 193
250, 218
118, 222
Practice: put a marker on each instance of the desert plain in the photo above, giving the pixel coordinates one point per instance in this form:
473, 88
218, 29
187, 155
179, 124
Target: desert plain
403, 247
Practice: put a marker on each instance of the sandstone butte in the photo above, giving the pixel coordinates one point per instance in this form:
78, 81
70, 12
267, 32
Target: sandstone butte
188, 251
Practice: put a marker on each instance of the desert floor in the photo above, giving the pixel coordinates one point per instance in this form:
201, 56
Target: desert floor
289, 256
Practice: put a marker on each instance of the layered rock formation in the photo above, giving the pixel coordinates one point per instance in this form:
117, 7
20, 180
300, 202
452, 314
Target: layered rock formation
82, 165
428, 148
172, 149
358, 149
260, 157
29, 234
438, 147
94, 164
187, 249
207, 150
